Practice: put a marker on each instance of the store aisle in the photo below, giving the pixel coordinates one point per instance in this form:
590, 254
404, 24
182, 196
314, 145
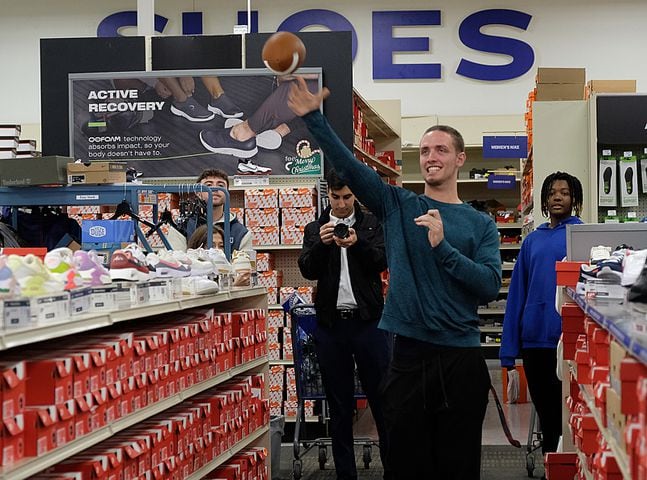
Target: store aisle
499, 460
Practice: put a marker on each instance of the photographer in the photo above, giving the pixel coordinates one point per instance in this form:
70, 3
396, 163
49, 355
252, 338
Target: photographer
344, 252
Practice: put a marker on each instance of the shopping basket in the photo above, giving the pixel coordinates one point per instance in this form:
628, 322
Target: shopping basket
310, 387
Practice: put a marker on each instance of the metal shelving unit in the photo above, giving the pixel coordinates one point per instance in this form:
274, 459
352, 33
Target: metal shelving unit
32, 466
86, 323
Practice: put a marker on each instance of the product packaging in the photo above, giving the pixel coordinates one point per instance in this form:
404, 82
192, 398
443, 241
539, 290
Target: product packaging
607, 189
628, 180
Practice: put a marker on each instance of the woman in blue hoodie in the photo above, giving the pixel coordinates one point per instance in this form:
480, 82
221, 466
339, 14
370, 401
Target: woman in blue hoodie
532, 326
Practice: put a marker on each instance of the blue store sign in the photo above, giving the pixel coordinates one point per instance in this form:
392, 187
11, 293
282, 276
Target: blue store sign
501, 182
505, 147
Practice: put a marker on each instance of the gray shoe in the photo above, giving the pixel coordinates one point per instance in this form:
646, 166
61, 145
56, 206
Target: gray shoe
191, 110
220, 141
224, 107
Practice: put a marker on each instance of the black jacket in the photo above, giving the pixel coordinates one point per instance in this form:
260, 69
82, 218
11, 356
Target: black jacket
366, 259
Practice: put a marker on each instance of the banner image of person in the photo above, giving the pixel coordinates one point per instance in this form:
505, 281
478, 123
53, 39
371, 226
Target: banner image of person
178, 123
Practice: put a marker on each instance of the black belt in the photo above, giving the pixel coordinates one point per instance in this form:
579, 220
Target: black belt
347, 313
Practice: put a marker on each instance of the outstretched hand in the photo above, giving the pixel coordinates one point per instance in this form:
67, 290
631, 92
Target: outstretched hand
302, 101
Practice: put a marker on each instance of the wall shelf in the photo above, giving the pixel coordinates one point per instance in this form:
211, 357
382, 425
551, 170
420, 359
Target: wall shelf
33, 465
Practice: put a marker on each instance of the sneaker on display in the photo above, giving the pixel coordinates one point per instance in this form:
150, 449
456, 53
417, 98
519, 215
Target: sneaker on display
124, 265
241, 262
91, 269
191, 110
201, 264
224, 107
199, 286
221, 141
167, 266
7, 280
61, 265
32, 277
249, 167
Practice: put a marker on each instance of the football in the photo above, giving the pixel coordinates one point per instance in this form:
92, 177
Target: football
283, 53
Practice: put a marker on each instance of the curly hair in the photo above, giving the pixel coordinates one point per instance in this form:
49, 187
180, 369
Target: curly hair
574, 185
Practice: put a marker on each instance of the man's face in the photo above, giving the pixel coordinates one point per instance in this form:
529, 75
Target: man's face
341, 202
439, 159
218, 197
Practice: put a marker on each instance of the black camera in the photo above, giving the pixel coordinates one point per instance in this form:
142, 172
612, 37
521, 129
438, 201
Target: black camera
341, 230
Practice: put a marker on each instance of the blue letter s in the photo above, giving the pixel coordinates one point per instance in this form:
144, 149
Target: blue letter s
522, 54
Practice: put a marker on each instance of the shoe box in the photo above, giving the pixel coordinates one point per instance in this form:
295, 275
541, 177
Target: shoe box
96, 173
23, 172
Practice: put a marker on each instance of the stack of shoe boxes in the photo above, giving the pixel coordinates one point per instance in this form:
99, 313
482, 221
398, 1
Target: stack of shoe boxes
560, 84
9, 140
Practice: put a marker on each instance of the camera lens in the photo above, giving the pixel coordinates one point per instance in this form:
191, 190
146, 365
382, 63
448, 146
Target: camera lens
341, 230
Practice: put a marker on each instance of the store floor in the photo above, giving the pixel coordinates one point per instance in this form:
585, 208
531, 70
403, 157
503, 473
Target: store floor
499, 460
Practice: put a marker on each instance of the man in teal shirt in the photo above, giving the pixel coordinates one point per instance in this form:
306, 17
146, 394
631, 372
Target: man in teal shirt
444, 261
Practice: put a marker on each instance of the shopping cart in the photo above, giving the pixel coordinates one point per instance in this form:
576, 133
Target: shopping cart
534, 441
310, 387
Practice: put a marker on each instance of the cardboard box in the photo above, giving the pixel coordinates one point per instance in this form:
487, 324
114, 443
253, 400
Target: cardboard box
96, 173
24, 172
560, 75
560, 91
611, 86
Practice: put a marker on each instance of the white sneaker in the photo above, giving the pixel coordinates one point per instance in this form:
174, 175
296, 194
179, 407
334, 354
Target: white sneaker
201, 264
199, 286
61, 265
632, 265
166, 266
241, 262
600, 252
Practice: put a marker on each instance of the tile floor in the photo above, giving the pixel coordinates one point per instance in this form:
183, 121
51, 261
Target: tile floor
499, 461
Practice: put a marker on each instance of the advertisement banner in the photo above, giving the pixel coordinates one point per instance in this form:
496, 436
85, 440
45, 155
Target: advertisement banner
505, 147
174, 124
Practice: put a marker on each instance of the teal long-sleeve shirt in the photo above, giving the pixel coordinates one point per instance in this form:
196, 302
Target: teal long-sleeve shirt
433, 293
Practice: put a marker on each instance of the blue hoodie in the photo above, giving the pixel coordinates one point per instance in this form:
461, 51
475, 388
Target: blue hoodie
434, 293
531, 320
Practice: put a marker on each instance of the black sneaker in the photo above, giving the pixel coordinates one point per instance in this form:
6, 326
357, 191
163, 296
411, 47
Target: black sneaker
191, 110
224, 107
220, 141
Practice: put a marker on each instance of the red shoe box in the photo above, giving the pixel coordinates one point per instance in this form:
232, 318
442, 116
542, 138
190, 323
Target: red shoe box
12, 440
605, 466
140, 393
91, 467
560, 466
568, 273
98, 412
49, 380
65, 427
600, 393
12, 388
583, 366
83, 415
631, 371
601, 342
40, 430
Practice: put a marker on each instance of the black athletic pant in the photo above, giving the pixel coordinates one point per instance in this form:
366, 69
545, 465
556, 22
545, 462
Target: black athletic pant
351, 342
435, 400
546, 392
